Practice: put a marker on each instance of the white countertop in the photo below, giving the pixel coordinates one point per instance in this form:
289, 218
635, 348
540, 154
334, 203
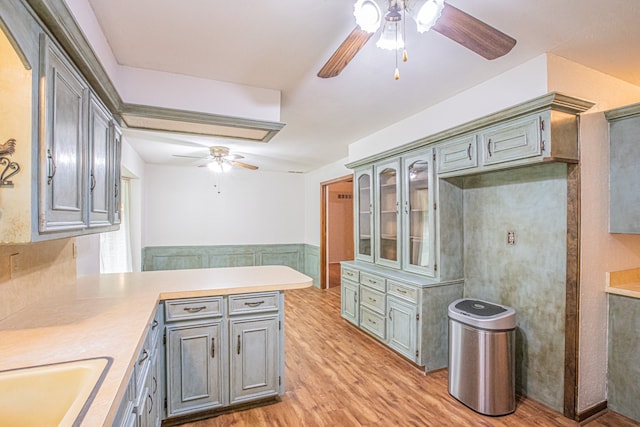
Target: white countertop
108, 315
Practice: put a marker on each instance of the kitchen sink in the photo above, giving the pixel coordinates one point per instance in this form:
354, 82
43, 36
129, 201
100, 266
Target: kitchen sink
50, 395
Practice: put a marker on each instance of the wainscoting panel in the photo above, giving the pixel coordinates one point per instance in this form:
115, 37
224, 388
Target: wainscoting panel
300, 257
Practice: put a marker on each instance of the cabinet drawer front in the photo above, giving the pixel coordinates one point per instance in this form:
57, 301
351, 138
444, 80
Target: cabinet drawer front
408, 293
373, 299
372, 322
459, 154
373, 281
253, 303
516, 140
193, 308
350, 274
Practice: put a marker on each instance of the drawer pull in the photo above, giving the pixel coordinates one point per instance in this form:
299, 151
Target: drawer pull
145, 356
469, 151
213, 347
238, 349
489, 147
254, 304
371, 299
195, 309
402, 291
373, 322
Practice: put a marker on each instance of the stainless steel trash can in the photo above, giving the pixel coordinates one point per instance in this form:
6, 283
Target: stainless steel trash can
481, 356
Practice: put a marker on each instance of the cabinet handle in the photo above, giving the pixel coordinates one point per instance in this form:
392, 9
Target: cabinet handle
254, 304
52, 167
145, 356
154, 324
469, 151
355, 298
155, 385
194, 309
489, 147
238, 349
150, 404
116, 188
213, 347
390, 318
93, 182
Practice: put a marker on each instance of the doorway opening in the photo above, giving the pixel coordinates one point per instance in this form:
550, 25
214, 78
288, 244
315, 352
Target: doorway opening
336, 241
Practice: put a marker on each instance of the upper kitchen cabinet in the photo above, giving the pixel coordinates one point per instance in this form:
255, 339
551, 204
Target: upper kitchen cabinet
624, 173
79, 149
63, 150
387, 222
66, 141
363, 225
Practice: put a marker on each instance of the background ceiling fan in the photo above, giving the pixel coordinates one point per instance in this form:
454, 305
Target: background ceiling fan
443, 18
220, 160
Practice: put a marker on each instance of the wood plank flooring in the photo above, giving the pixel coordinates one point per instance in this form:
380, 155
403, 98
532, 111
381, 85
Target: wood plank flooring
338, 376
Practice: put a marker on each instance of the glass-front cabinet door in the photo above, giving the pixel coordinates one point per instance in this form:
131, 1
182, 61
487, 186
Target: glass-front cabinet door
388, 214
364, 214
418, 213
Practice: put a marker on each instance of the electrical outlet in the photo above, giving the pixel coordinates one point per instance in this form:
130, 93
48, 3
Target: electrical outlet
511, 238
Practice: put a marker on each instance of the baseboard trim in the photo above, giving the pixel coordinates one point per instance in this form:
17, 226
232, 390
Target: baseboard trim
592, 412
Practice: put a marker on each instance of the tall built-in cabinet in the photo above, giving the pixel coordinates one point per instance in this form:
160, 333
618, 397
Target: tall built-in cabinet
407, 272
72, 173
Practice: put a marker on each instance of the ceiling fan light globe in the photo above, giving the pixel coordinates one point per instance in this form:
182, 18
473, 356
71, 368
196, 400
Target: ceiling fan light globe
390, 38
368, 15
426, 13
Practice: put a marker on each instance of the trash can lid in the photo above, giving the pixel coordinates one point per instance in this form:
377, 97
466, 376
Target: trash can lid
482, 314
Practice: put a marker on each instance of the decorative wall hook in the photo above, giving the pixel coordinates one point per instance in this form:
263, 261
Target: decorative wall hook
10, 168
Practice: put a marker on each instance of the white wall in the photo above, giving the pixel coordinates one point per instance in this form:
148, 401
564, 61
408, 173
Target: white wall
517, 85
600, 251
182, 206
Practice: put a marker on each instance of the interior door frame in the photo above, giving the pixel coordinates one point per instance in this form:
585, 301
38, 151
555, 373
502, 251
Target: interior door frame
323, 225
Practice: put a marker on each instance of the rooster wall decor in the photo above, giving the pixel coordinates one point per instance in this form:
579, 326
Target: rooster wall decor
10, 168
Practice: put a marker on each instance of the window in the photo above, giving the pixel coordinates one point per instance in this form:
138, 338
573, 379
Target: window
115, 246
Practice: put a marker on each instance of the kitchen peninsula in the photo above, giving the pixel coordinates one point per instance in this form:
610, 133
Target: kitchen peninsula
112, 316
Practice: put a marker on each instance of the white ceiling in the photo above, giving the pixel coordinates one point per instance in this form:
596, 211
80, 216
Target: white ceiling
281, 45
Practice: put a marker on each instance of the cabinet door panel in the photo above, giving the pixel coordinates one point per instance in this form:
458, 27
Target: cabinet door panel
100, 147
62, 205
388, 214
364, 214
349, 301
418, 222
401, 328
510, 141
194, 368
254, 358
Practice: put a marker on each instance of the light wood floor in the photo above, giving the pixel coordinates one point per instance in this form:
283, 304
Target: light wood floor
338, 376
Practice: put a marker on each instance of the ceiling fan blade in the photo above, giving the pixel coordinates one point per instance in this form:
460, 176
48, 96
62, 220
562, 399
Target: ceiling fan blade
345, 53
473, 34
244, 165
233, 157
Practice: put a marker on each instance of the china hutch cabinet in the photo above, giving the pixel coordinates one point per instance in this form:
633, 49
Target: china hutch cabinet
409, 239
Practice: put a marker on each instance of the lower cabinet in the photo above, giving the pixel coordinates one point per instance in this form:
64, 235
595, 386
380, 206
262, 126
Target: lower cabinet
194, 367
407, 312
254, 360
223, 351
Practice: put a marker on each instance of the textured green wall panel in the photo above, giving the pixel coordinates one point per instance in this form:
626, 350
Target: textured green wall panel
624, 346
529, 276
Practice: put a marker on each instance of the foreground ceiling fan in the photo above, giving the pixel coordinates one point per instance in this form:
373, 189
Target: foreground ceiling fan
443, 18
220, 160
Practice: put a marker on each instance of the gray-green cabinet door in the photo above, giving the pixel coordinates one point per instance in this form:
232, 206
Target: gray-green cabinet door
387, 213
116, 174
364, 214
402, 323
100, 149
349, 301
63, 147
194, 367
254, 358
418, 216
624, 175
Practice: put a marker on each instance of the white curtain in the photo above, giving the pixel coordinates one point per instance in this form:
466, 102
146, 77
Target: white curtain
115, 246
